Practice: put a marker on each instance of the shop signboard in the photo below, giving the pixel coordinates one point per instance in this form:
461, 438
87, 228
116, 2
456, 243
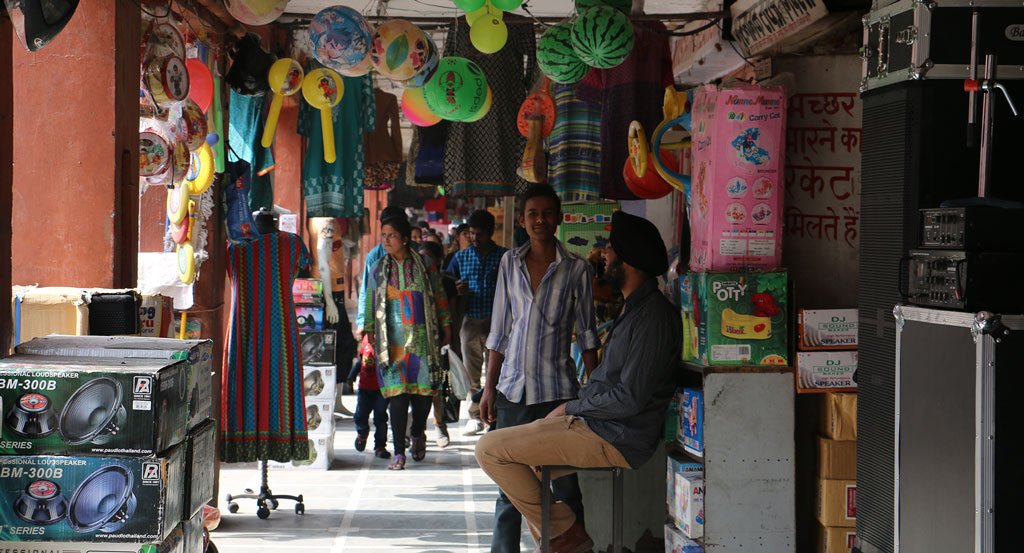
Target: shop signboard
759, 25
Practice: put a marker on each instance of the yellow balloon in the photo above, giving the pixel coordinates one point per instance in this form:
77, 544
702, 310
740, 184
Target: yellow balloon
489, 34
472, 16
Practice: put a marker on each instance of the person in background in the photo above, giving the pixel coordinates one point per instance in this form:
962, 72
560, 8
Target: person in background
460, 241
433, 237
619, 418
371, 258
416, 235
434, 252
475, 270
543, 294
408, 326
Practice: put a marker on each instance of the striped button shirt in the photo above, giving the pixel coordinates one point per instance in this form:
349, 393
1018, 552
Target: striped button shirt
534, 330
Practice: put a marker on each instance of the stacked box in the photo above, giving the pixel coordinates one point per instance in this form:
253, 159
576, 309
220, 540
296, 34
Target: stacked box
740, 318
827, 344
691, 420
676, 542
317, 346
200, 468
306, 291
674, 467
836, 539
175, 542
689, 503
155, 317
321, 455
309, 317
837, 473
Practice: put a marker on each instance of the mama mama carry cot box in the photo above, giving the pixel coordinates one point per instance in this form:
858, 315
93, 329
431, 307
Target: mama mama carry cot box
737, 192
91, 499
197, 353
676, 542
70, 405
690, 504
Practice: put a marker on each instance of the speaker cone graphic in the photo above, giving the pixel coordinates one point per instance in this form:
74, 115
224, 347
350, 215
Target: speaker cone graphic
94, 413
103, 501
313, 418
313, 383
32, 416
312, 347
41, 503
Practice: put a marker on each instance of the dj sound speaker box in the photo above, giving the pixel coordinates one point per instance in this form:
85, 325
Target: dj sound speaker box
958, 441
914, 156
114, 314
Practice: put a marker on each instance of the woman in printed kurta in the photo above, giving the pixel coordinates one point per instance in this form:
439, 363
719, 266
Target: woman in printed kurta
263, 414
407, 322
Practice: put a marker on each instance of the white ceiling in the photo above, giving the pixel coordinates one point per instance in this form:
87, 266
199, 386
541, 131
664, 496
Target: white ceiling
445, 8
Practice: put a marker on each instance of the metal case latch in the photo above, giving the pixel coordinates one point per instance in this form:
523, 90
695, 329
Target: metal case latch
987, 323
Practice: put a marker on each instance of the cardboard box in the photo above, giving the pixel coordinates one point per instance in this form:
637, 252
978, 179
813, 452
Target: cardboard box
307, 291
42, 311
91, 499
839, 416
320, 417
585, 226
71, 405
321, 455
676, 542
175, 542
155, 317
194, 538
672, 417
825, 371
200, 467
197, 353
309, 317
837, 459
836, 539
827, 329
741, 318
317, 346
691, 420
318, 383
736, 202
837, 502
691, 334
690, 504
676, 465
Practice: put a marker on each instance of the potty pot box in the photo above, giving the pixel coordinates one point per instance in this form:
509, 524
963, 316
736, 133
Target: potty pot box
740, 318
72, 405
91, 499
197, 353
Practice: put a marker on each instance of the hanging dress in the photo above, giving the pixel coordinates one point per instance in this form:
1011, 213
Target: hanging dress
262, 406
574, 164
336, 189
245, 131
384, 144
481, 158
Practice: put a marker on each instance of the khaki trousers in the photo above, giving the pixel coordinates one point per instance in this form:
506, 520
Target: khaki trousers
512, 457
473, 336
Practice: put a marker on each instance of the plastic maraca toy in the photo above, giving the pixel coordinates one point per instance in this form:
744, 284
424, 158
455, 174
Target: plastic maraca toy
323, 89
285, 79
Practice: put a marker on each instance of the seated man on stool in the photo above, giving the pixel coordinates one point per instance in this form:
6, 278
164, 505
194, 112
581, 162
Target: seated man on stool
619, 418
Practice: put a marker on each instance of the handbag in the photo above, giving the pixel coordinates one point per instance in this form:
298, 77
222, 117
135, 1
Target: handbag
452, 405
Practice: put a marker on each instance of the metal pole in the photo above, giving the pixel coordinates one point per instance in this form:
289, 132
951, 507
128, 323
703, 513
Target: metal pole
988, 106
972, 74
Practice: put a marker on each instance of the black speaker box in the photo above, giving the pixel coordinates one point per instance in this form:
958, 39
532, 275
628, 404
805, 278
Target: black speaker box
114, 314
914, 156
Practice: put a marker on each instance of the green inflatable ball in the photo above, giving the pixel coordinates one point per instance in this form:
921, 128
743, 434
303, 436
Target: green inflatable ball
506, 5
602, 37
556, 56
624, 6
457, 90
469, 5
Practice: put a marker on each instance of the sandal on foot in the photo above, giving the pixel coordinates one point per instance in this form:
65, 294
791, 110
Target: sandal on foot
360, 442
397, 462
418, 447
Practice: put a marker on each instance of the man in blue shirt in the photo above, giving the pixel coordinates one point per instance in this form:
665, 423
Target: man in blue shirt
476, 273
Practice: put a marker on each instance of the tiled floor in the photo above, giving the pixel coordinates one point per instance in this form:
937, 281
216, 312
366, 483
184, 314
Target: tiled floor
443, 504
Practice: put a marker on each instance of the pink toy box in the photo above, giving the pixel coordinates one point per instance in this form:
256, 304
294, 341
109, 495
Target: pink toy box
736, 200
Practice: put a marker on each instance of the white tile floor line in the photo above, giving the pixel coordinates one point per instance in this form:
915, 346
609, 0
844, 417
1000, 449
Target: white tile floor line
472, 540
352, 507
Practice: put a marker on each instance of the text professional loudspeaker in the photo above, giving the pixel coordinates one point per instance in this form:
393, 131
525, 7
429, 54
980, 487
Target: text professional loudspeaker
93, 413
104, 501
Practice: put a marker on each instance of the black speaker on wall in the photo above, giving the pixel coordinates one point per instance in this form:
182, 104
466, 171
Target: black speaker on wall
94, 413
104, 501
914, 156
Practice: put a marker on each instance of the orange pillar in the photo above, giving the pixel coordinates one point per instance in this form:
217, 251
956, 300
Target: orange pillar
75, 178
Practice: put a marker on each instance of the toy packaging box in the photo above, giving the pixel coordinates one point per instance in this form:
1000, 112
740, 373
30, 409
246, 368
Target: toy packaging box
309, 317
200, 467
826, 371
672, 416
826, 329
691, 336
155, 316
317, 346
691, 420
91, 499
741, 318
71, 405
675, 466
690, 504
197, 353
318, 382
586, 226
321, 455
676, 542
320, 416
739, 142
307, 291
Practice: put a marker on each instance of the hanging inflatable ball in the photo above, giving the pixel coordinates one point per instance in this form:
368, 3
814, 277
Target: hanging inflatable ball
469, 5
429, 66
414, 106
602, 37
556, 56
506, 5
458, 89
489, 34
340, 37
624, 6
399, 50
485, 109
256, 12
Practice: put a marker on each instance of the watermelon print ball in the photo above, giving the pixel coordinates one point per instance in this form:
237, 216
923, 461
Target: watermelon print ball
602, 37
557, 58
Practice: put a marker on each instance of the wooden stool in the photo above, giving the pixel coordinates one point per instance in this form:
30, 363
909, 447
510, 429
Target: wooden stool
545, 504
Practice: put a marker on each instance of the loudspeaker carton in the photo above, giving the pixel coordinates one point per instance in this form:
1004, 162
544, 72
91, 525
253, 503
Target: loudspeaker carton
317, 346
826, 371
91, 499
200, 467
318, 382
310, 317
827, 329
321, 455
836, 539
193, 530
839, 416
837, 503
175, 542
306, 291
197, 353
73, 405
740, 318
320, 417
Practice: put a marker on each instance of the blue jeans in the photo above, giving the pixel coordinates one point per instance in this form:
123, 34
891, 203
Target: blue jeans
508, 523
368, 401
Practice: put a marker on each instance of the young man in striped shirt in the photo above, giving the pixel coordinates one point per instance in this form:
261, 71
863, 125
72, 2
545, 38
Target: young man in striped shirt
542, 296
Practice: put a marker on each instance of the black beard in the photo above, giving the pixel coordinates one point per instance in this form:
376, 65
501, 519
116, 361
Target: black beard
615, 274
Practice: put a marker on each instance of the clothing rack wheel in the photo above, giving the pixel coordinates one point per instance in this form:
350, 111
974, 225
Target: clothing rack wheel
266, 500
